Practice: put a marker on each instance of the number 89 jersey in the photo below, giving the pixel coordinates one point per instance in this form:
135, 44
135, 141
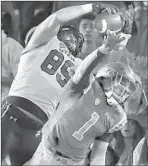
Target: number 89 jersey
42, 74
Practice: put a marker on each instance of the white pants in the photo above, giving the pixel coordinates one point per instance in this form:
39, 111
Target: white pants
44, 156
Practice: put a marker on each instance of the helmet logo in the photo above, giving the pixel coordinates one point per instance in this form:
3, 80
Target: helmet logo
97, 101
71, 38
111, 72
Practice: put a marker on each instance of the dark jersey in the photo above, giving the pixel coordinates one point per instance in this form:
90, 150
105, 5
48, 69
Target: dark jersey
88, 118
82, 115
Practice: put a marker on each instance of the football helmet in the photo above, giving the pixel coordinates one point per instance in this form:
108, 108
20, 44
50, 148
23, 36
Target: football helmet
117, 80
72, 38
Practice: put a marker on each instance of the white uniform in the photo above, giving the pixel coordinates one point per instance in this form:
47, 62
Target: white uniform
42, 72
11, 52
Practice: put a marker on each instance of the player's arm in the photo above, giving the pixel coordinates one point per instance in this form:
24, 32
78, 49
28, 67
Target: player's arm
99, 149
50, 26
81, 77
98, 153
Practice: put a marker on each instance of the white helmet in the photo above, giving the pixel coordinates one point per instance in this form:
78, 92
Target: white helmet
117, 80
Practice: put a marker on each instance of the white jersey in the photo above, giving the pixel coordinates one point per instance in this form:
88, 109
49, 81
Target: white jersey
42, 74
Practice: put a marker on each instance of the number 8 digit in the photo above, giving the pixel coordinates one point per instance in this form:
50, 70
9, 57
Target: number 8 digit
51, 64
54, 59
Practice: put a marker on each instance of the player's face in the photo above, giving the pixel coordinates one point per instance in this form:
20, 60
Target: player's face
71, 40
107, 84
119, 87
72, 44
123, 88
86, 28
129, 129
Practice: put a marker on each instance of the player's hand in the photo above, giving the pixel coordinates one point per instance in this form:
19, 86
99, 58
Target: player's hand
113, 40
98, 8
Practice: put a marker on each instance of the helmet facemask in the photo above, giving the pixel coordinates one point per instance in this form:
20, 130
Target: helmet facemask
117, 86
122, 88
72, 38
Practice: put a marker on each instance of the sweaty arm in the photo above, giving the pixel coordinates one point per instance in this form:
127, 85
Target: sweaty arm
50, 26
81, 78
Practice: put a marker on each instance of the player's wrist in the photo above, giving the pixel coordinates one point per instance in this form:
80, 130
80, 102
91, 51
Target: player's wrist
105, 49
87, 8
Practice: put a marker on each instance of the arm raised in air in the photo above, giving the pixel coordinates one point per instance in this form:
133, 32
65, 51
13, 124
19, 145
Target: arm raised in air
44, 32
81, 78
50, 26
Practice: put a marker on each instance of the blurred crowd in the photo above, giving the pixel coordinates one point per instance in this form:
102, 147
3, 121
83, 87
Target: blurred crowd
18, 20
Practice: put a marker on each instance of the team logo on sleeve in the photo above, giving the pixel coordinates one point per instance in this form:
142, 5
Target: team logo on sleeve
97, 101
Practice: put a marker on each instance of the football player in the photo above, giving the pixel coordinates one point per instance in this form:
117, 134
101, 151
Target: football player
42, 74
88, 108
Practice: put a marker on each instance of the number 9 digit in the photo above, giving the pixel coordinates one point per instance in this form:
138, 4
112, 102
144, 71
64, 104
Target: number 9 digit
65, 73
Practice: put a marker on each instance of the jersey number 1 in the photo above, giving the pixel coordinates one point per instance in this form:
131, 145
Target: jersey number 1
53, 62
80, 133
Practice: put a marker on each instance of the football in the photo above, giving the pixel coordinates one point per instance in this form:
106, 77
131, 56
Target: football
105, 21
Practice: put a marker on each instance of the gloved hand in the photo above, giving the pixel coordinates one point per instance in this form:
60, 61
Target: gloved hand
113, 40
99, 7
